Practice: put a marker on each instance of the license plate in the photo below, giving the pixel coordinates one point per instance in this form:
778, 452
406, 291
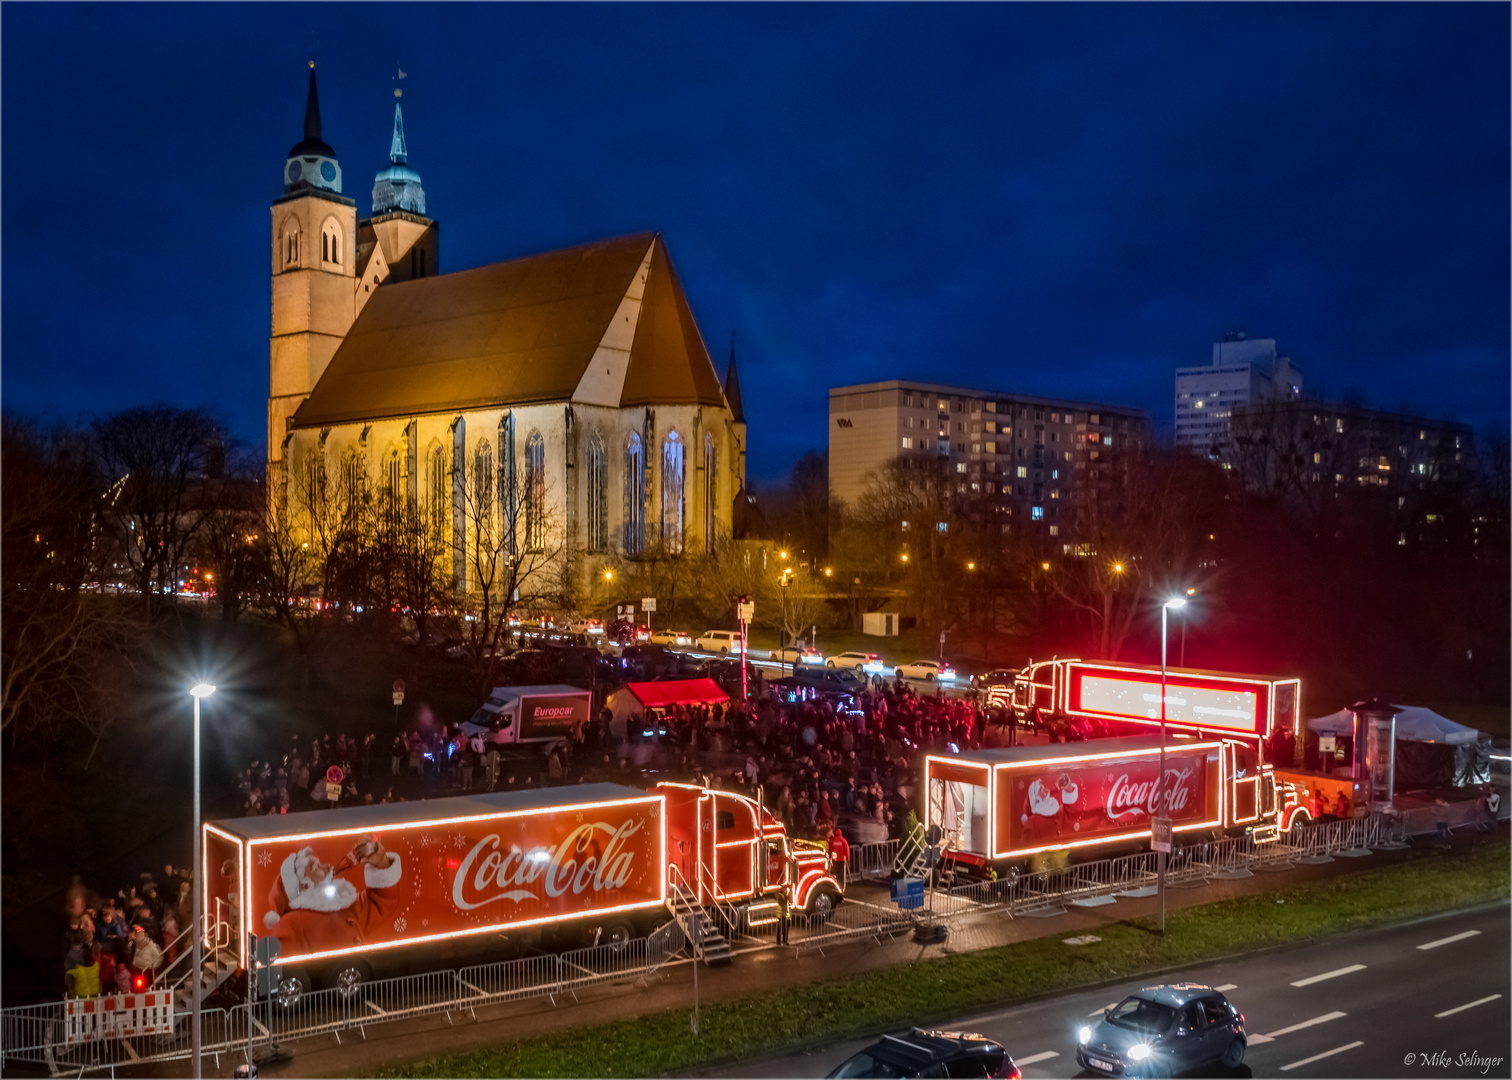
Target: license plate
1098, 1063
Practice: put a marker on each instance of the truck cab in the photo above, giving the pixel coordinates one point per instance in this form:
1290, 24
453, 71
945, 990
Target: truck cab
725, 848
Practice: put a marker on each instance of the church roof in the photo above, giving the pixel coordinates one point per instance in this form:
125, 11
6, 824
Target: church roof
516, 333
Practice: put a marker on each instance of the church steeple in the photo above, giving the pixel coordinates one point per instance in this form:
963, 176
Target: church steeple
732, 387
311, 163
398, 186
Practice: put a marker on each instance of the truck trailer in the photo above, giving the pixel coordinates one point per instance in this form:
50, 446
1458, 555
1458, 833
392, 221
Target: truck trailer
1000, 808
346, 894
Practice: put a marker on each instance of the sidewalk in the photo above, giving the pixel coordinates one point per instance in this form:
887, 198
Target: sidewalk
389, 1044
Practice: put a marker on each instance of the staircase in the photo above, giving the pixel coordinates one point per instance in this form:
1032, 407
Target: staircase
910, 859
218, 959
709, 943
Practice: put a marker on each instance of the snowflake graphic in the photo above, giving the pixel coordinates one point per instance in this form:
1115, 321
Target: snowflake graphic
580, 818
424, 923
264, 857
400, 925
459, 839
425, 841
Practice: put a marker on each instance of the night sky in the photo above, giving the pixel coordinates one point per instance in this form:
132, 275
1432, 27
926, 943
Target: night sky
1066, 200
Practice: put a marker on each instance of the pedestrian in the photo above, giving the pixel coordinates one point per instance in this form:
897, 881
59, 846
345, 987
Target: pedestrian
1491, 803
839, 852
782, 916
1441, 821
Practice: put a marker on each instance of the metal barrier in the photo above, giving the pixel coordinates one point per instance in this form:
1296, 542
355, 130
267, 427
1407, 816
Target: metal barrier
873, 860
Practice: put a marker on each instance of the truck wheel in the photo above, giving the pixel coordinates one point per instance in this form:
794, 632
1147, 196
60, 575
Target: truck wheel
821, 905
292, 986
616, 933
349, 978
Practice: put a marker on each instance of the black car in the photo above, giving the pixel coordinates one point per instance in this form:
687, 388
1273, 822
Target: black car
931, 1053
1162, 1031
996, 679
844, 680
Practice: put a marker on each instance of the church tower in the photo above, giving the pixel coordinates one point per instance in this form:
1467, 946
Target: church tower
399, 239
314, 242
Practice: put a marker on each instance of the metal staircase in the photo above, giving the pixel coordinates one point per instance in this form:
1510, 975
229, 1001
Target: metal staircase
910, 858
218, 959
709, 943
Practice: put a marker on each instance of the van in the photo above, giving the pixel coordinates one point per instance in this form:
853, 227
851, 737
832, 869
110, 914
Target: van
719, 641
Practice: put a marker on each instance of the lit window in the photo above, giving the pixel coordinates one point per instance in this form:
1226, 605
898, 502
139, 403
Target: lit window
960, 466
1023, 470
1055, 530
1037, 513
1107, 440
907, 443
1055, 474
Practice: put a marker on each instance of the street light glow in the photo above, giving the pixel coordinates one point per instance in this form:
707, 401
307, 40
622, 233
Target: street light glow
1118, 568
608, 575
1176, 602
202, 690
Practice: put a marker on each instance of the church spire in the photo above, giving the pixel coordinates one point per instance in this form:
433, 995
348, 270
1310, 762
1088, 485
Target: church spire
398, 186
312, 110
397, 153
732, 387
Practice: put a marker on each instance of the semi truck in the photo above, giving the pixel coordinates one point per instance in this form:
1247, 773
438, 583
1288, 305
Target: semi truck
1000, 808
330, 898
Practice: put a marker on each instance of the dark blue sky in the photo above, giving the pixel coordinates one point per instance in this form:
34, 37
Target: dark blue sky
1064, 199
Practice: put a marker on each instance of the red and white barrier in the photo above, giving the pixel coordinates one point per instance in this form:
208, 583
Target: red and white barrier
116, 1016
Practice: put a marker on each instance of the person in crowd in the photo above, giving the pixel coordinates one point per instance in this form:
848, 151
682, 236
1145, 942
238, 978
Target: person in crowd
146, 955
1441, 822
839, 851
81, 972
1490, 807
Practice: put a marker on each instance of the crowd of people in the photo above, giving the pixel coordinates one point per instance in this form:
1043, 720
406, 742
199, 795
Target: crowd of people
121, 943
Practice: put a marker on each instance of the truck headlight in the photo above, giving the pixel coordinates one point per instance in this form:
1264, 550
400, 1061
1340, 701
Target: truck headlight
1139, 1051
1083, 1035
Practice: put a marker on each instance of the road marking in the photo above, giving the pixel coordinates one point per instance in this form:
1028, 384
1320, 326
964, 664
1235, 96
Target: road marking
1226, 987
1271, 1036
1462, 1008
1035, 1058
1320, 1057
1450, 940
1329, 975
1102, 1010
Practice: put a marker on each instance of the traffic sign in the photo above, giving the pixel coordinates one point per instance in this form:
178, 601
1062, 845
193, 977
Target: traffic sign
746, 610
398, 692
1160, 834
648, 603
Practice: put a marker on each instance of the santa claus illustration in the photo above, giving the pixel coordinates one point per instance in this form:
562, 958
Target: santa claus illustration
314, 908
1049, 807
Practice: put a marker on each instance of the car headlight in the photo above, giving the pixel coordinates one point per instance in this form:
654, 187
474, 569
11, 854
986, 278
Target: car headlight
1139, 1051
1083, 1035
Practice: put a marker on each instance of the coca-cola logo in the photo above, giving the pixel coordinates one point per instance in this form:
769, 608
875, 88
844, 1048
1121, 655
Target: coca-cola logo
1129, 798
594, 857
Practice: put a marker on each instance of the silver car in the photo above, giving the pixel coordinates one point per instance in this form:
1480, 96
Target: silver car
1162, 1031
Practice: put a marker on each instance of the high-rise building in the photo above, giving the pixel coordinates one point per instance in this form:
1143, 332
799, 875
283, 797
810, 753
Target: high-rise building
1029, 458
1243, 372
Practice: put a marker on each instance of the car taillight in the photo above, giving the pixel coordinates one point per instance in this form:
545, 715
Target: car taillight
1013, 1073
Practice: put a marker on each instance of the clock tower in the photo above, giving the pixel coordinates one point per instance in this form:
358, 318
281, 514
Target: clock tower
314, 241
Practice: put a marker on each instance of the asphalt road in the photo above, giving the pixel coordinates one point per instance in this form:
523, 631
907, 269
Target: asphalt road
1429, 999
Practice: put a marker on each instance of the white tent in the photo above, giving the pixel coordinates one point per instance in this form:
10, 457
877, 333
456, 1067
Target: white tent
1413, 722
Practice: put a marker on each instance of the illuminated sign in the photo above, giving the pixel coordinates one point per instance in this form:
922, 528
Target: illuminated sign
1230, 704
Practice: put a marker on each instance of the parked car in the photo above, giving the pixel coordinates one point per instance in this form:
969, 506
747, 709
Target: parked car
793, 654
928, 670
587, 627
671, 637
724, 672
931, 1053
996, 679
868, 662
1162, 1031
845, 680
719, 641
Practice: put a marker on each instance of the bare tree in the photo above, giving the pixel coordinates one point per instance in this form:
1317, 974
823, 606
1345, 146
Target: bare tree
157, 457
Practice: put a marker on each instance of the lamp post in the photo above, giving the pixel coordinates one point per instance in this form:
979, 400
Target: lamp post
1165, 611
197, 874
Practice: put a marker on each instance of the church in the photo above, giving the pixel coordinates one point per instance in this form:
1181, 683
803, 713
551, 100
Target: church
564, 401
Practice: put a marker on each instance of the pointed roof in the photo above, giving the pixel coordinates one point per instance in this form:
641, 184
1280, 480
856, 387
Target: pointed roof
732, 387
397, 152
516, 333
312, 146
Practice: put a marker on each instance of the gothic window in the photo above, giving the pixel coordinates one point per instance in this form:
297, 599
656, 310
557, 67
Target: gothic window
635, 496
711, 494
508, 489
483, 486
352, 480
330, 243
289, 243
535, 491
672, 493
440, 490
393, 484
598, 496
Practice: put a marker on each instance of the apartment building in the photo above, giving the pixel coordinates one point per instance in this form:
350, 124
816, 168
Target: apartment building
1243, 372
1024, 458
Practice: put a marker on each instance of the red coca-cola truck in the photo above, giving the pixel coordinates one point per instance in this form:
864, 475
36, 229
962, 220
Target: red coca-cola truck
344, 893
1002, 807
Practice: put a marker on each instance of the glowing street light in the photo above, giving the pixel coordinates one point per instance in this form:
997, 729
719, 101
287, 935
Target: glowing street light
1165, 610
608, 575
1118, 568
971, 566
828, 572
198, 691
905, 556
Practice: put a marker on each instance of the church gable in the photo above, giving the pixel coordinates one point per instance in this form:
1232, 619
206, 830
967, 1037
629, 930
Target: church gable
669, 364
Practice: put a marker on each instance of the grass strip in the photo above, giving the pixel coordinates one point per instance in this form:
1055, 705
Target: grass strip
936, 988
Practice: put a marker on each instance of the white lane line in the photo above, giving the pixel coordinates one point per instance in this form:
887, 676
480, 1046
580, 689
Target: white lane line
1450, 940
1325, 1018
1105, 1008
1320, 1057
1035, 1058
1462, 1008
1226, 987
1329, 975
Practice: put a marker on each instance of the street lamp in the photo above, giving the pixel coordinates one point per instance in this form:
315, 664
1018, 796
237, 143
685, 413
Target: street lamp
1165, 611
201, 690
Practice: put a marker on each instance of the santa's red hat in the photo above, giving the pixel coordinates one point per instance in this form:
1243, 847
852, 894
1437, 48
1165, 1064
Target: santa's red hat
285, 886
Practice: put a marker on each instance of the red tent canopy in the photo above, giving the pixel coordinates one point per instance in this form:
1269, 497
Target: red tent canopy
662, 695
